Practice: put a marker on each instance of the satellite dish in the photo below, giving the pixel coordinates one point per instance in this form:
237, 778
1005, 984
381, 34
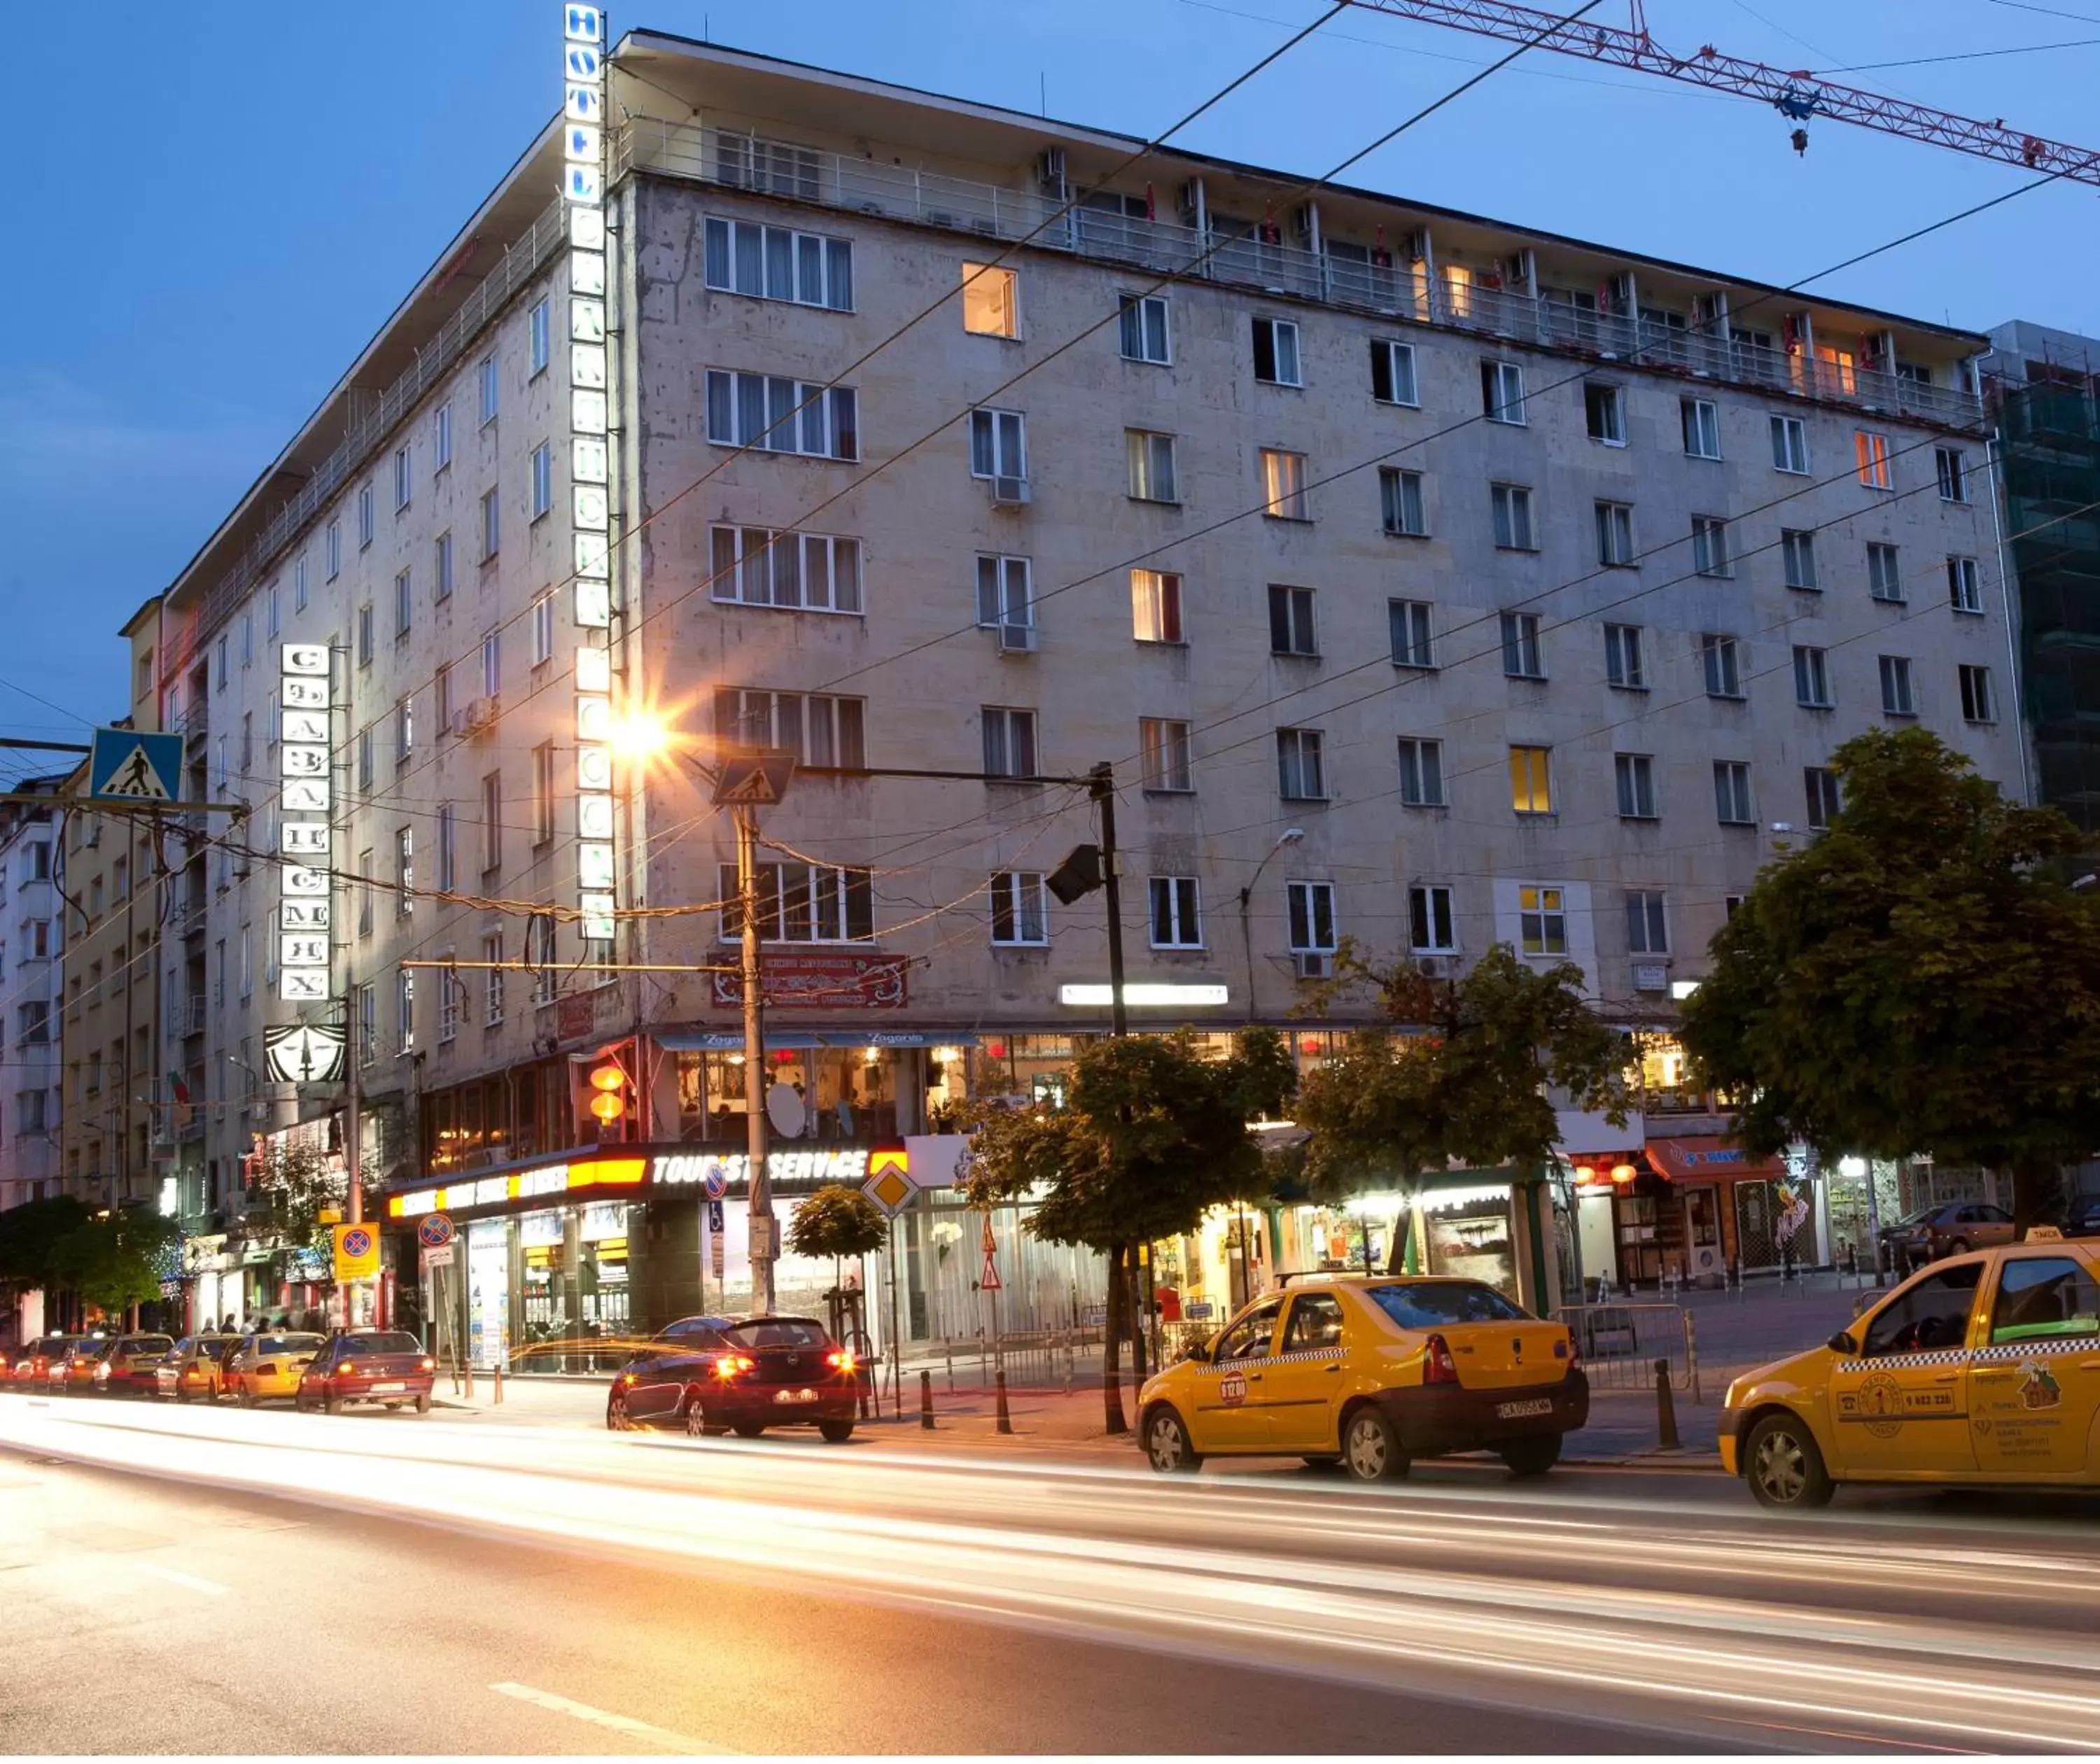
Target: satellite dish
784, 1109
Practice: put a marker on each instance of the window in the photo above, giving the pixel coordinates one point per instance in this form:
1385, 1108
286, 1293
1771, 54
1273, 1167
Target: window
1512, 509
1392, 372
777, 415
1541, 914
441, 692
2044, 1300
224, 666
1163, 744
441, 443
777, 263
1005, 601
1615, 535
404, 481
447, 847
1521, 659
404, 872
404, 603
818, 730
1176, 923
491, 525
1431, 928
1283, 485
1870, 449
405, 1009
989, 301
1717, 655
448, 1005
1932, 1315
543, 479
1408, 620
39, 867
802, 903
1155, 606
1953, 472
1300, 773
364, 880
807, 572
364, 640
120, 882
1276, 352
1731, 793
1400, 503
490, 386
441, 588
1291, 621
1884, 581
367, 1024
539, 952
1151, 466
1502, 391
1820, 786
492, 664
1604, 413
1701, 421
332, 550
248, 636
999, 444
298, 596
1018, 913
1421, 773
404, 729
1964, 588
1811, 678
1311, 913
364, 757
1009, 742
1709, 545
1625, 665
543, 793
1143, 334
1790, 444
1797, 553
1635, 776
492, 980
491, 822
1977, 704
364, 522
1531, 780
1647, 926
536, 337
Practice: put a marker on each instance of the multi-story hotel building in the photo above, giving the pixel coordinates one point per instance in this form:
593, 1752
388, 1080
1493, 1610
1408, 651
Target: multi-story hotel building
1427, 581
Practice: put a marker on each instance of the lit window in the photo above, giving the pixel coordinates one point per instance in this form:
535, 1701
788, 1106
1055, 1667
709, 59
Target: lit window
989, 301
1870, 449
1155, 606
1531, 780
1283, 485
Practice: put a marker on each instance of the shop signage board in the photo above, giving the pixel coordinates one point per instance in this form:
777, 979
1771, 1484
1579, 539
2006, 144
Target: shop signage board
305, 692
300, 1053
821, 982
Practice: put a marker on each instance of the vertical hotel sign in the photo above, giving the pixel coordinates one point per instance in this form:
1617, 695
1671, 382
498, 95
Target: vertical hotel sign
305, 690
583, 191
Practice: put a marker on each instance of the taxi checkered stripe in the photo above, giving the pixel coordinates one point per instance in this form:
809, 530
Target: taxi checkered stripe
1270, 1360
1945, 1356
2044, 1347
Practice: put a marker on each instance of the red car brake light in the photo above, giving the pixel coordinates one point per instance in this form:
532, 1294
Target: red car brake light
1438, 1367
729, 1365
843, 1360
345, 1369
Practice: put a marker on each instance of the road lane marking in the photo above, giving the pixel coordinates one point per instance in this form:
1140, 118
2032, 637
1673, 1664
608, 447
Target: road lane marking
626, 1724
176, 1577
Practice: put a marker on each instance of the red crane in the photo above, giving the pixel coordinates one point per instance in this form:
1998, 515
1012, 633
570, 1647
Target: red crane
1798, 96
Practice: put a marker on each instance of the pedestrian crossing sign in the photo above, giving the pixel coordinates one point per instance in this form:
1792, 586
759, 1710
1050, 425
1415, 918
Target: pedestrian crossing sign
131, 765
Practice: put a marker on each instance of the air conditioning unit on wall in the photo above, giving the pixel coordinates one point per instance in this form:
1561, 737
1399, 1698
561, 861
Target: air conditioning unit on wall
1314, 964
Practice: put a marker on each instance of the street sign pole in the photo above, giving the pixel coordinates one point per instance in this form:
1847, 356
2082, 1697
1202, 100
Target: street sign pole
759, 1190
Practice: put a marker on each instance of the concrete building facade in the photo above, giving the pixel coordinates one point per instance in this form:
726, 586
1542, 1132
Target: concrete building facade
31, 928
1427, 581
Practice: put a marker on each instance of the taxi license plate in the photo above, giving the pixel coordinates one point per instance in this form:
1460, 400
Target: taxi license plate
385, 1389
1531, 1405
794, 1396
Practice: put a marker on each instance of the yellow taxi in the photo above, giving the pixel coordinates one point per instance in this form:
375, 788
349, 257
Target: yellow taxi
1985, 1368
197, 1368
1370, 1371
267, 1366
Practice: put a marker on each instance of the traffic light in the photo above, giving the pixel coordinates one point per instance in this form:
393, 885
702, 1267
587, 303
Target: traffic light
607, 1082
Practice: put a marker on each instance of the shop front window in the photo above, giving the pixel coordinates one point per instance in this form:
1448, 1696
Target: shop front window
1665, 1079
837, 1093
1027, 1069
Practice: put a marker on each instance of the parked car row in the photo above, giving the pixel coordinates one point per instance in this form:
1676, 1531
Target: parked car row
308, 1370
716, 1375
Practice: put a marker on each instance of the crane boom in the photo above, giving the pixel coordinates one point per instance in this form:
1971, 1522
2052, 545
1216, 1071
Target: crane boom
1798, 95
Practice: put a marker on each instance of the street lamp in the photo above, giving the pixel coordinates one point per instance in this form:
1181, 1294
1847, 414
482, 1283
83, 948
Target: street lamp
1291, 836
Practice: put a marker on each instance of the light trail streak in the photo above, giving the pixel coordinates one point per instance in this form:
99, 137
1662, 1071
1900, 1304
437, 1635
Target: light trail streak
1735, 1622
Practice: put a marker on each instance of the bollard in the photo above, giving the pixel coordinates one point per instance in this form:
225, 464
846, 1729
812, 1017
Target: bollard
926, 1400
455, 1381
948, 1347
498, 1397
1005, 1420
1666, 1410
469, 1380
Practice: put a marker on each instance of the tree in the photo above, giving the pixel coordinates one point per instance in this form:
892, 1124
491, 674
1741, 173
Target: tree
1152, 1135
837, 1221
1919, 979
300, 1183
1467, 1081
30, 1233
113, 1259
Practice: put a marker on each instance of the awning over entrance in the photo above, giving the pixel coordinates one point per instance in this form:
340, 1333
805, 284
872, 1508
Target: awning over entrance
731, 1040
1705, 1157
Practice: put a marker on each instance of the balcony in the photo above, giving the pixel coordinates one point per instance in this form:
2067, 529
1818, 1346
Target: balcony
190, 911
194, 722
1228, 251
185, 1016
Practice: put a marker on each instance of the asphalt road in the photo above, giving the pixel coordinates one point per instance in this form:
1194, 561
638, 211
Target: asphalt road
435, 1587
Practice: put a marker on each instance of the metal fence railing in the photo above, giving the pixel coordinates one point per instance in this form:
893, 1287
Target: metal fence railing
1621, 1342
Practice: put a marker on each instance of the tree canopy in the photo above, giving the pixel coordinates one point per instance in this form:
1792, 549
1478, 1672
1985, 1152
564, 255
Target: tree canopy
837, 1221
1918, 979
1463, 1076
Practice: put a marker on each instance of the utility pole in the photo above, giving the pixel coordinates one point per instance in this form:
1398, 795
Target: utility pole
1100, 785
353, 1129
759, 1192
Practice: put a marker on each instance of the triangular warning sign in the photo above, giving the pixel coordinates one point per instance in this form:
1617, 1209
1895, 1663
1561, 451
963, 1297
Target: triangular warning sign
989, 1280
754, 787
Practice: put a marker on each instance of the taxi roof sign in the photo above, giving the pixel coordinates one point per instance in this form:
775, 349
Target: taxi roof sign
753, 780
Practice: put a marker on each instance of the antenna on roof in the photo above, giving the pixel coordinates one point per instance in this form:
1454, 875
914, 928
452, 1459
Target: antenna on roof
1043, 92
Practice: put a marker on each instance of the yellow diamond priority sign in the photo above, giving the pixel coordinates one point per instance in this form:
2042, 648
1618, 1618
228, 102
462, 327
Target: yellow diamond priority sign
888, 1185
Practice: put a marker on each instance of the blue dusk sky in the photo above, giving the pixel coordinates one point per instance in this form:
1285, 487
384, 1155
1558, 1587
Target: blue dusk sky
228, 213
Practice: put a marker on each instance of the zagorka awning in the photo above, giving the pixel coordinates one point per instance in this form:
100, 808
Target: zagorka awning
1704, 1158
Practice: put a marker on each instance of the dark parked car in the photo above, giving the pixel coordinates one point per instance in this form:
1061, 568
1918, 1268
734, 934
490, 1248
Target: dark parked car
1952, 1228
2083, 1220
386, 1366
741, 1375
